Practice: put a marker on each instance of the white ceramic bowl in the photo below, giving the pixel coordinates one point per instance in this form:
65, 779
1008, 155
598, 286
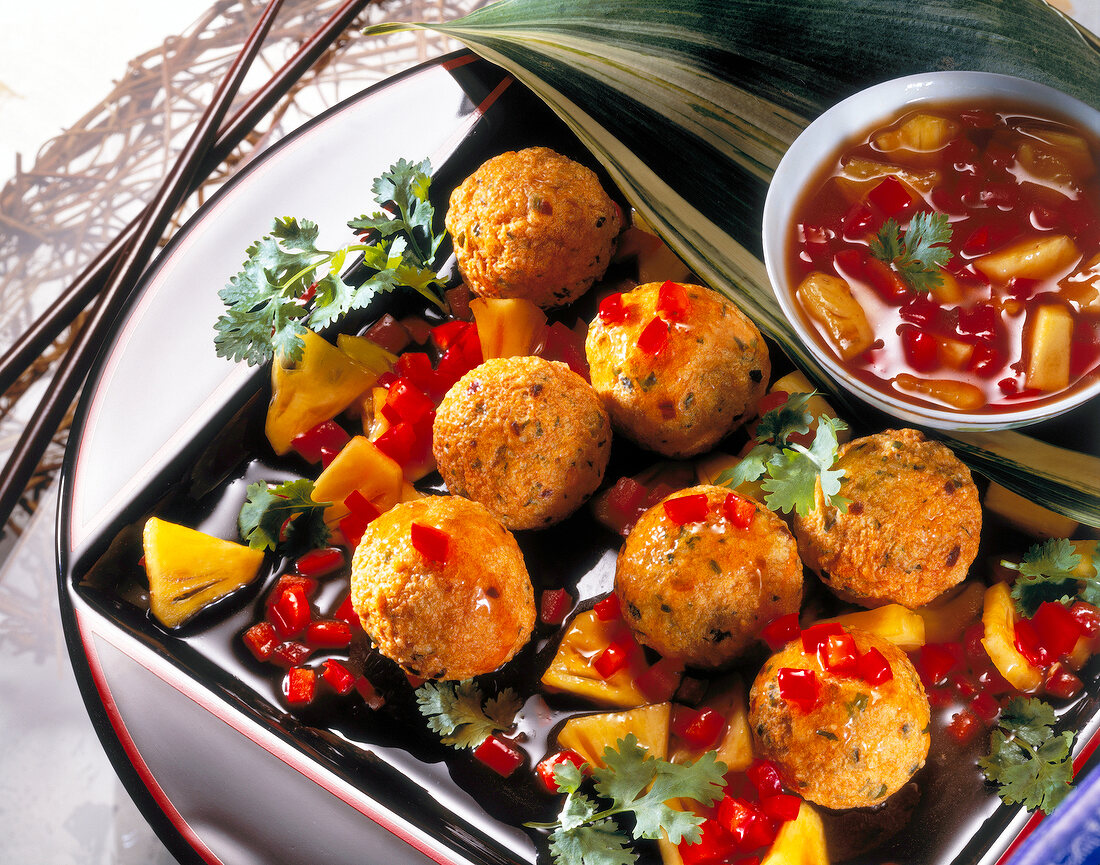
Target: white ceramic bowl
855, 116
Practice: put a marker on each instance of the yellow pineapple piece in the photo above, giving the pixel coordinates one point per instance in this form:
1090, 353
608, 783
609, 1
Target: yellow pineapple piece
927, 132
590, 735
829, 301
734, 748
800, 841
862, 174
957, 394
1030, 258
948, 291
572, 671
367, 352
189, 569
507, 327
1083, 286
893, 622
359, 466
954, 352
999, 621
1027, 516
949, 615
1055, 154
1048, 342
656, 261
320, 386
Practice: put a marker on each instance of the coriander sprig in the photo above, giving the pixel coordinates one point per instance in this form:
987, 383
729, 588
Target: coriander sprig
289, 285
282, 517
462, 715
919, 254
1051, 571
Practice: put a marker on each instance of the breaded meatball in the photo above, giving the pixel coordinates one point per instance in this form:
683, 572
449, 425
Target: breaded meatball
525, 436
703, 591
704, 380
449, 619
533, 224
911, 530
858, 743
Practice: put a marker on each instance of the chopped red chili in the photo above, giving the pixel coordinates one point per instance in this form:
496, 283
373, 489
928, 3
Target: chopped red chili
500, 755
430, 542
799, 687
613, 310
780, 631
672, 301
739, 510
687, 509
654, 336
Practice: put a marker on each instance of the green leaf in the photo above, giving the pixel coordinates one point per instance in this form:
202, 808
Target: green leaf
599, 843
1048, 572
282, 517
459, 712
670, 95
919, 257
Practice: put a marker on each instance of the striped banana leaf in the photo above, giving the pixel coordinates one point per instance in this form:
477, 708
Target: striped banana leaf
690, 104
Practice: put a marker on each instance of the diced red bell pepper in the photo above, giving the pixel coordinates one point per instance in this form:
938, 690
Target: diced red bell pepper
1056, 627
654, 336
699, 728
964, 686
430, 542
985, 361
612, 309
1026, 640
771, 401
986, 708
890, 196
672, 301
352, 528
409, 402
1087, 617
566, 344
739, 510
749, 827
413, 366
922, 311
346, 613
874, 669
554, 606
500, 755
544, 771
329, 634
463, 355
319, 562
625, 502
979, 321
814, 636
291, 653
687, 509
921, 348
290, 613
857, 221
764, 775
300, 686
447, 334
715, 846
261, 640
369, 693
972, 644
361, 506
327, 435
935, 662
780, 631
839, 655
964, 726
339, 677
1061, 682
661, 680
782, 808
614, 658
608, 609
799, 687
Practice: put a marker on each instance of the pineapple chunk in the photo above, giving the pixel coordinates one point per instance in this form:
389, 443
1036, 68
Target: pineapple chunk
324, 383
920, 132
1030, 258
1027, 516
1083, 286
829, 301
507, 327
656, 261
800, 841
862, 173
1048, 344
367, 352
949, 615
189, 569
957, 394
591, 735
572, 670
954, 352
999, 620
735, 747
1046, 148
893, 622
359, 466
949, 291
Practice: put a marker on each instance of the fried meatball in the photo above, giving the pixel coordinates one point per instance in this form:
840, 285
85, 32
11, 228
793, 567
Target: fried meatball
703, 591
525, 436
910, 531
533, 224
859, 743
701, 384
449, 619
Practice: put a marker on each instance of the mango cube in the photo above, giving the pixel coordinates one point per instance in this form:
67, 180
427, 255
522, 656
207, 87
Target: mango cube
800, 841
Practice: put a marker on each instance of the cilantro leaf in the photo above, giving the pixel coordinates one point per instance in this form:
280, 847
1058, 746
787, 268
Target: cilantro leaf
288, 285
459, 712
919, 255
1051, 571
598, 843
1030, 764
282, 517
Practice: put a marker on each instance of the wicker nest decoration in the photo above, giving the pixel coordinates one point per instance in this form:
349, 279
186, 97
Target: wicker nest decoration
86, 184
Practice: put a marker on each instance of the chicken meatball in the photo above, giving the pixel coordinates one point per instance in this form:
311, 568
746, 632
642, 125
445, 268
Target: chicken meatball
441, 588
525, 436
533, 224
839, 740
910, 531
678, 366
703, 571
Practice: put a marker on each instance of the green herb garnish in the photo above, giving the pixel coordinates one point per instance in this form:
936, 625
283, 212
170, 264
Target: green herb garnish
1049, 572
1029, 763
636, 784
919, 255
792, 468
288, 285
461, 714
283, 517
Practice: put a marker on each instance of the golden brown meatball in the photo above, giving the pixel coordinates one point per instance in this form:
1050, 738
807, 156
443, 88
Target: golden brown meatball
449, 619
703, 591
525, 436
707, 376
532, 224
910, 531
858, 743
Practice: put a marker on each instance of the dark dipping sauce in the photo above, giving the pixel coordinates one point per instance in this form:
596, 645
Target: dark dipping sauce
1015, 320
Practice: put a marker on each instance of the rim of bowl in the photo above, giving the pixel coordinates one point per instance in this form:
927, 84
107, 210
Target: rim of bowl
858, 114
